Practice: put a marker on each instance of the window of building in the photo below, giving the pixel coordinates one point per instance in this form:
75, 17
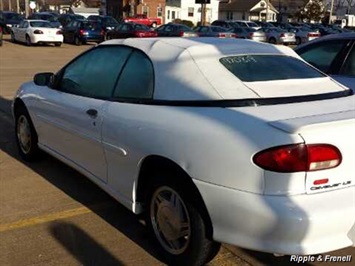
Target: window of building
172, 14
145, 10
159, 11
168, 14
190, 12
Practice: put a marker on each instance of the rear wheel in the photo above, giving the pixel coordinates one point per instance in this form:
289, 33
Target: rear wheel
298, 41
26, 136
177, 225
77, 41
272, 40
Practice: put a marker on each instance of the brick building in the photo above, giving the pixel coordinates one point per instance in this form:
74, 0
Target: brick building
151, 8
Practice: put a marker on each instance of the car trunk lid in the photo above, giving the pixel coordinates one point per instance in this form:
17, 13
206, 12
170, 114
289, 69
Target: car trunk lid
337, 129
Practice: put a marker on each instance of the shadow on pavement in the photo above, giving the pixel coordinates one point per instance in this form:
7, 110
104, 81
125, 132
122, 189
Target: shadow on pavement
81, 245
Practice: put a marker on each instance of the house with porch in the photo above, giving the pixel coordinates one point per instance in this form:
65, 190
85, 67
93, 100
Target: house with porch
261, 10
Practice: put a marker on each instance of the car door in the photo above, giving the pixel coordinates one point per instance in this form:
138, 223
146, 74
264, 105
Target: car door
123, 127
21, 31
71, 113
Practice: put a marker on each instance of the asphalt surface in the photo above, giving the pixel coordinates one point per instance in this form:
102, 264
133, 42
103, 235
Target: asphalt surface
52, 215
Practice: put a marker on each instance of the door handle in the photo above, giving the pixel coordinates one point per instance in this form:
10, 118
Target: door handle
92, 113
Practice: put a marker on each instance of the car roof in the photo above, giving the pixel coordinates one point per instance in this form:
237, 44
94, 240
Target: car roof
189, 68
335, 36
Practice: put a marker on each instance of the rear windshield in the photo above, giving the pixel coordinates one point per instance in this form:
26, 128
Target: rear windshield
41, 24
250, 68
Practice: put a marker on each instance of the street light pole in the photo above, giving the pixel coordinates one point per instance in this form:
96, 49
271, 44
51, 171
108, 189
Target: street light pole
331, 12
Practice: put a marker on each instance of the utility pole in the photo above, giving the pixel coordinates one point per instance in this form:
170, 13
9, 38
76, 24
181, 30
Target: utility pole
331, 12
203, 14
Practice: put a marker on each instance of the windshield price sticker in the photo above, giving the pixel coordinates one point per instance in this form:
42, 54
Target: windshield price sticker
319, 258
238, 60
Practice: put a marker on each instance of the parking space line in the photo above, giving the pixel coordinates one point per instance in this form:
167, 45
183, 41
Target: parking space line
44, 219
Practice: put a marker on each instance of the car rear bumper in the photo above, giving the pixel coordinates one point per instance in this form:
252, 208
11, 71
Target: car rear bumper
300, 225
47, 39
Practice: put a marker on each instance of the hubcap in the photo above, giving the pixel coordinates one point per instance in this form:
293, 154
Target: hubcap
170, 220
24, 134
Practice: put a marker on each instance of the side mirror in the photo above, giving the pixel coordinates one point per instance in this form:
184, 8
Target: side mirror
43, 79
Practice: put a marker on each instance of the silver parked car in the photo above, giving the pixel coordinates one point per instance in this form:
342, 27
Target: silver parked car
214, 31
279, 36
304, 34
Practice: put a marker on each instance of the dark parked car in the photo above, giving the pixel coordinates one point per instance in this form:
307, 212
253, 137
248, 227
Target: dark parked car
83, 31
225, 24
11, 19
214, 31
175, 30
129, 30
52, 18
333, 54
108, 23
65, 19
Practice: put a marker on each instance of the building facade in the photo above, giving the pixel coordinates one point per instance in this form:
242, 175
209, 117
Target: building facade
261, 10
151, 8
189, 10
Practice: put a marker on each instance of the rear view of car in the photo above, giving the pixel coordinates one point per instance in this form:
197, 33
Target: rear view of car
256, 35
175, 30
214, 31
81, 31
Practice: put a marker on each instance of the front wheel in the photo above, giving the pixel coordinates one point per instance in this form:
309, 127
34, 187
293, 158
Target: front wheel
177, 225
298, 41
28, 40
26, 135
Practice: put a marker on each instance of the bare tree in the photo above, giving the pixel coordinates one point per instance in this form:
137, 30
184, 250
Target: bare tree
349, 3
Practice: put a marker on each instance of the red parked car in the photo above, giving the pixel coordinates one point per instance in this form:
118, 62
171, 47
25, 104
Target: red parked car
129, 30
143, 19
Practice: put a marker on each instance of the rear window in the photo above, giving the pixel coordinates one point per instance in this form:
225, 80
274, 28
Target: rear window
250, 68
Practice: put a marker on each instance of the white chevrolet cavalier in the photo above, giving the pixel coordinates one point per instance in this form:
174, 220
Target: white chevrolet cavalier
216, 140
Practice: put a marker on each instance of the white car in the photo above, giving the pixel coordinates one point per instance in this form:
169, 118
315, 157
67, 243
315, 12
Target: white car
36, 32
215, 140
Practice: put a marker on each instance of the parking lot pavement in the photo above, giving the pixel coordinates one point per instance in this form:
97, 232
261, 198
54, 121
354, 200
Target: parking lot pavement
52, 215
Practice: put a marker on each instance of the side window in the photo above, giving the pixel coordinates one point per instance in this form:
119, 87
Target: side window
321, 55
95, 73
349, 66
137, 78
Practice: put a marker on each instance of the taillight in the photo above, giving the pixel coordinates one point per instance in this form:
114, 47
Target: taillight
313, 35
181, 34
81, 32
234, 35
102, 33
59, 32
251, 34
0, 29
38, 32
222, 35
298, 158
282, 35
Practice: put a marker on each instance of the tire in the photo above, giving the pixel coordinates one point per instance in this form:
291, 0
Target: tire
58, 44
77, 41
272, 40
176, 224
26, 135
13, 37
298, 41
28, 40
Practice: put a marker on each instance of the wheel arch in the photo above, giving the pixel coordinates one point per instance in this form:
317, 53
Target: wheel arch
16, 105
155, 163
